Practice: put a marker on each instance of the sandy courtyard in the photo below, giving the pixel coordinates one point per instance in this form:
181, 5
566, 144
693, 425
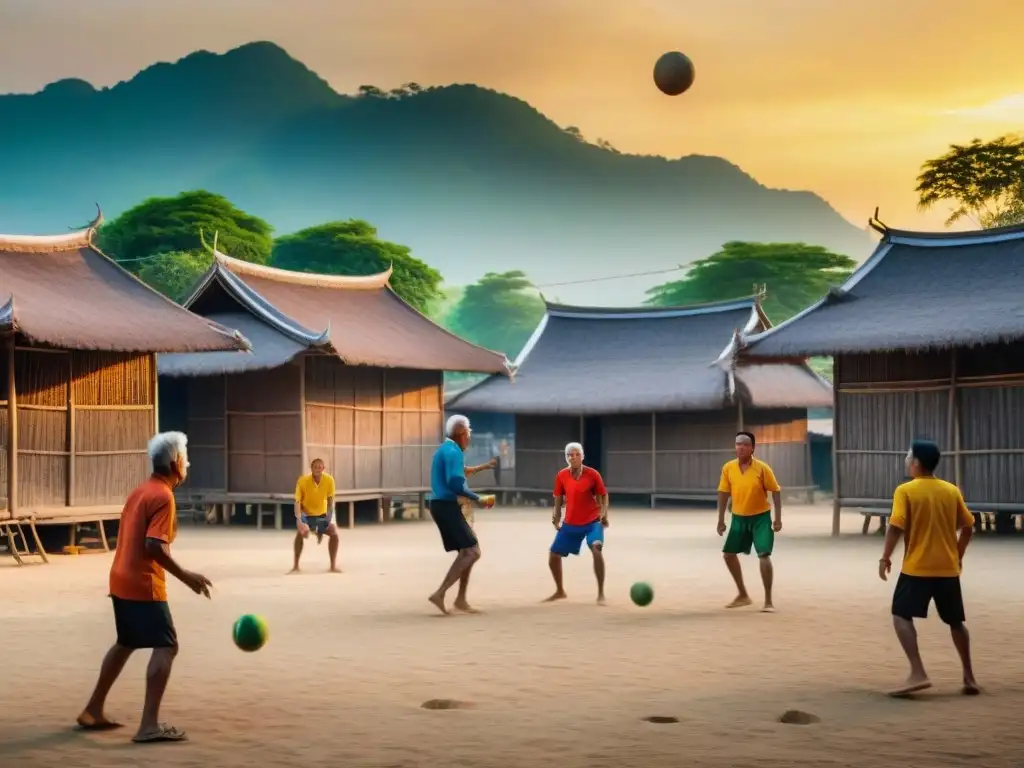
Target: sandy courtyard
353, 656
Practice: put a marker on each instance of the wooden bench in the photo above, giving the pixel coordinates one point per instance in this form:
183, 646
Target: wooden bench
881, 514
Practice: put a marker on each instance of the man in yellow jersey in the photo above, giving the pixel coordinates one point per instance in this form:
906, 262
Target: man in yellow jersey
931, 517
747, 482
314, 510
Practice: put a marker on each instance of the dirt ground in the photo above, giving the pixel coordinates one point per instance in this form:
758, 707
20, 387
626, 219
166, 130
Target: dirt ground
353, 656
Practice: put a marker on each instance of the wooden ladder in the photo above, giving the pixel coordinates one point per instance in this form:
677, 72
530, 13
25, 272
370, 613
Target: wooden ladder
18, 543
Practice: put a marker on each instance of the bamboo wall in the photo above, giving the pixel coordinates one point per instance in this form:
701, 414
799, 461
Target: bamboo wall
264, 430
82, 423
666, 453
540, 449
969, 400
254, 433
376, 428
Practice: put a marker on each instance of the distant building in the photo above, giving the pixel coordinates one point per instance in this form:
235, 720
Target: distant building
341, 369
78, 376
928, 341
655, 395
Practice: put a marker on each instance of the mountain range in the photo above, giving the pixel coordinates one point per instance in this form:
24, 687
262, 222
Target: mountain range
471, 179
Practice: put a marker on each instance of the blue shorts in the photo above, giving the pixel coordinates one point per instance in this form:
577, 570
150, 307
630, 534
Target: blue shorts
317, 523
570, 538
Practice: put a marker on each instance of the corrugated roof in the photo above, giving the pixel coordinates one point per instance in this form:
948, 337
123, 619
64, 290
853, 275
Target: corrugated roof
360, 319
918, 291
606, 360
270, 348
61, 291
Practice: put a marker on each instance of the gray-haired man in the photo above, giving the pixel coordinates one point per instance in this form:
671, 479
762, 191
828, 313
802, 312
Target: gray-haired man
582, 491
447, 484
138, 589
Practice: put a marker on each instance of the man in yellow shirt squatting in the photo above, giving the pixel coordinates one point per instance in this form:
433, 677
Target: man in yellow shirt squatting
748, 481
931, 517
314, 510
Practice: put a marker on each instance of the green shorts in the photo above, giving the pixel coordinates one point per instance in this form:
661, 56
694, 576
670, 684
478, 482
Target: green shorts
750, 530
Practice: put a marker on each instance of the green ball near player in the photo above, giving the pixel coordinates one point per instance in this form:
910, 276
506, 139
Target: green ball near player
250, 633
641, 593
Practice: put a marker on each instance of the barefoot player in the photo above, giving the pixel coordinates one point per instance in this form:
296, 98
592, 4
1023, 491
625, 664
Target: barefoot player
930, 516
582, 491
747, 482
314, 503
138, 589
447, 484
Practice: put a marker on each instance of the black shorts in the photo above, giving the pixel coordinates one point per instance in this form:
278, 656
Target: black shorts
912, 595
144, 624
456, 532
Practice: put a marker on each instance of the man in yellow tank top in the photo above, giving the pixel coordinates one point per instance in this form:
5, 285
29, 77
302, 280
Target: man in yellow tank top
933, 521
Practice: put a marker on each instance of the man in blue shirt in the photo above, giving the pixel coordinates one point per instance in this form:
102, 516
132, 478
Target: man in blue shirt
447, 484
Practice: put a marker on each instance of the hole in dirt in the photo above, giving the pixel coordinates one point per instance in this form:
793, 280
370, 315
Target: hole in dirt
445, 704
661, 719
796, 717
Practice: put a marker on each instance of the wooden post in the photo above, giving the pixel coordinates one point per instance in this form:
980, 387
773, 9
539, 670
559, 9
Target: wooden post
302, 412
739, 414
383, 442
836, 383
227, 458
654, 457
954, 422
155, 387
808, 473
69, 496
12, 433
351, 515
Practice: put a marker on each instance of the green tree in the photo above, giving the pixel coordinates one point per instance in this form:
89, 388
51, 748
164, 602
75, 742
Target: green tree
175, 273
499, 312
160, 241
163, 224
353, 248
441, 307
796, 275
984, 181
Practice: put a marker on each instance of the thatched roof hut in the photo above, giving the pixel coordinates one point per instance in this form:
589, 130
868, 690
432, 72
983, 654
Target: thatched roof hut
660, 392
928, 340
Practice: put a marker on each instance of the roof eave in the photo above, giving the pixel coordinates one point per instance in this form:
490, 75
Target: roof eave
250, 300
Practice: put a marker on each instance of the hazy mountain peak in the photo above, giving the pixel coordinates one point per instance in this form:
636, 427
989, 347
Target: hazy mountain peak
471, 179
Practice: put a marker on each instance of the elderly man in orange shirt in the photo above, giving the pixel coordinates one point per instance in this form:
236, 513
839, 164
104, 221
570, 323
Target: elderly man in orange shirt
138, 589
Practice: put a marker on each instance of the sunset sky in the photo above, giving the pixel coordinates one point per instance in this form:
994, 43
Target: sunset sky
840, 97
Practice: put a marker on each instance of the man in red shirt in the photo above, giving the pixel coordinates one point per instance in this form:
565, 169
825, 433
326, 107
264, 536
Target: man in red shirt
581, 490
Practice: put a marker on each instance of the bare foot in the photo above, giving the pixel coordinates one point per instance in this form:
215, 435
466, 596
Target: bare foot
88, 721
293, 571
334, 569
913, 685
740, 602
438, 600
768, 608
465, 607
600, 600
971, 687
559, 595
